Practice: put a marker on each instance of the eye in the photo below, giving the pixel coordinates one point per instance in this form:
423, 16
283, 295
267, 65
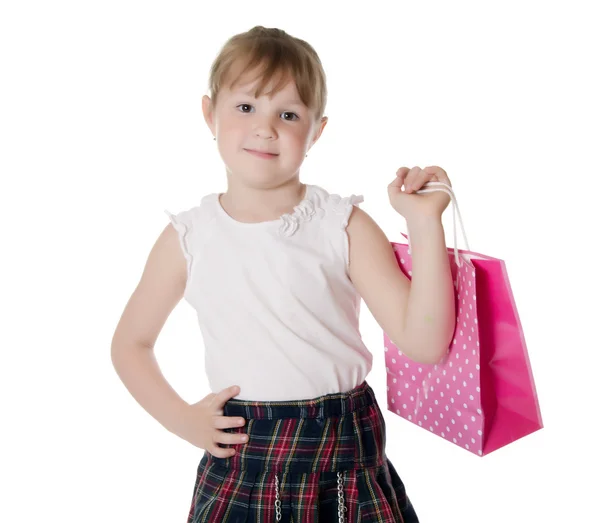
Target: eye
292, 114
244, 105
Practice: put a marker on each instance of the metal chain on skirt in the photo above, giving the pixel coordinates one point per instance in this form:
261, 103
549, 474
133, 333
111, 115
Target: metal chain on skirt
341, 503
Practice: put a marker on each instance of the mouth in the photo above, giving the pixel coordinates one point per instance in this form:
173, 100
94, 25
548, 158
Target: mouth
261, 154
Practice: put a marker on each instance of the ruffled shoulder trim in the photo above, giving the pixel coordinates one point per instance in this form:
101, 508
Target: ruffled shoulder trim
343, 206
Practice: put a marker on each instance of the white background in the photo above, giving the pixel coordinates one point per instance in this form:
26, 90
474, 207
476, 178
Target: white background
101, 130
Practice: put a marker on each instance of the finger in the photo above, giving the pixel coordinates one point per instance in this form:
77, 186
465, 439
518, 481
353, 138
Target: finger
226, 394
228, 422
411, 177
439, 173
226, 438
400, 176
421, 179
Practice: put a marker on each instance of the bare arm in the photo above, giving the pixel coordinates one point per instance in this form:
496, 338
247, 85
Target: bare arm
418, 315
159, 290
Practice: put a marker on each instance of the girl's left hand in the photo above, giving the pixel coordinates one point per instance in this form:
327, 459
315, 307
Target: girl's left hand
414, 206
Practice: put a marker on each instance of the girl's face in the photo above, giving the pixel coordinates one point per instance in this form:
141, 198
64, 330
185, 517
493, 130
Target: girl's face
282, 127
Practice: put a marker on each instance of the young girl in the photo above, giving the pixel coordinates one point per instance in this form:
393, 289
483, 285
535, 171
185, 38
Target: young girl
275, 270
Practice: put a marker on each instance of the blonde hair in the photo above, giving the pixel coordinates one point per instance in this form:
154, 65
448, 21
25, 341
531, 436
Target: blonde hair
271, 51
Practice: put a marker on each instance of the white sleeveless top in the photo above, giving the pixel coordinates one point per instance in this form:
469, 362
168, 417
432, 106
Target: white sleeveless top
277, 311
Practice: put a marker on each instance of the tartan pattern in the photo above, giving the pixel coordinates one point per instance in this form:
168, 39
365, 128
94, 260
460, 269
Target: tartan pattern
305, 443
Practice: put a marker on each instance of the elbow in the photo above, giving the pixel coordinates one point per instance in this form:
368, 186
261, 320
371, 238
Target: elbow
425, 355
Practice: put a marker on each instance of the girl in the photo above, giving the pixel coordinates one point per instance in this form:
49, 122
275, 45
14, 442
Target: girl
275, 270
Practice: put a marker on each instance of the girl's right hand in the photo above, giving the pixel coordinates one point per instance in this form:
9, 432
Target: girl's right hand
203, 424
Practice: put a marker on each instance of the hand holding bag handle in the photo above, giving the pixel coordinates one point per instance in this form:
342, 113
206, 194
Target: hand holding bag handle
443, 187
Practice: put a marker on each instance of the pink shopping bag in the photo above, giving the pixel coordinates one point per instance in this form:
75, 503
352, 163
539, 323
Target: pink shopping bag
482, 395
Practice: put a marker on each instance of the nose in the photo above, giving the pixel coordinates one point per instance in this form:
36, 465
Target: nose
265, 129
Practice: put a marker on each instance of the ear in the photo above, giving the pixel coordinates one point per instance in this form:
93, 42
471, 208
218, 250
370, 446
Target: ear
319, 130
208, 111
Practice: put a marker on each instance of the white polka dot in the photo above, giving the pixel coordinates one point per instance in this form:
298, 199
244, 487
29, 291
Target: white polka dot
474, 352
388, 389
420, 369
470, 375
472, 440
420, 403
397, 411
469, 338
477, 389
436, 402
406, 385
475, 320
425, 417
466, 362
454, 341
464, 346
431, 388
430, 428
477, 366
406, 365
412, 398
452, 421
430, 409
429, 375
467, 446
393, 360
458, 413
437, 424
399, 393
437, 380
443, 435
451, 400
458, 392
450, 364
479, 411
399, 353
441, 415
447, 385
441, 394
466, 428
401, 373
404, 405
471, 397
460, 434
447, 428
459, 369
453, 378
420, 424
447, 408
461, 332
479, 432
457, 355
464, 383
478, 344
479, 452
413, 378
409, 417
465, 405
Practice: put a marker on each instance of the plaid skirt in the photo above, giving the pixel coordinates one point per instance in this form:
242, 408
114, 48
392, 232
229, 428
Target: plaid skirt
319, 460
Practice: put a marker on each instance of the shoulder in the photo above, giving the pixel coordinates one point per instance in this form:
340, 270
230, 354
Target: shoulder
334, 205
184, 220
